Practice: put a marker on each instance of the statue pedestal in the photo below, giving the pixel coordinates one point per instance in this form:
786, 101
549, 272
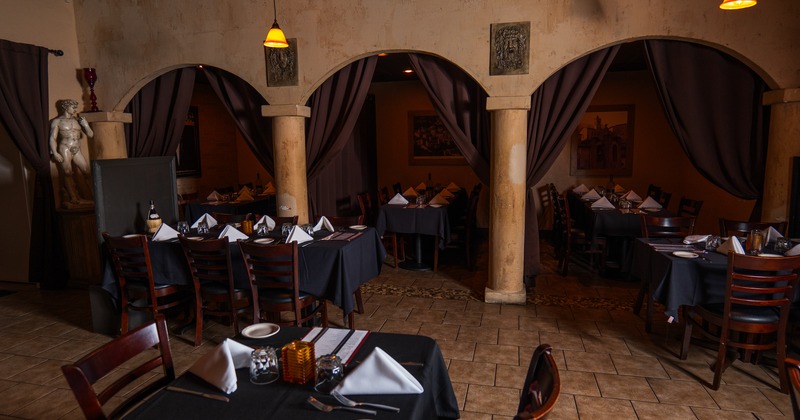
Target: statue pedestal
79, 239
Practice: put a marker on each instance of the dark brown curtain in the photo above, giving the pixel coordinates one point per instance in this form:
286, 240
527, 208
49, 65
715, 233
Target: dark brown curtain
714, 104
23, 112
556, 108
159, 113
461, 104
244, 104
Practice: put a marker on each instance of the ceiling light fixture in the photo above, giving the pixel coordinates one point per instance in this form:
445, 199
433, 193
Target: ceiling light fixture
737, 4
275, 36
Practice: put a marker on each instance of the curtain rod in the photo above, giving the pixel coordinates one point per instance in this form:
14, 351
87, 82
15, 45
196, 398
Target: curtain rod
57, 53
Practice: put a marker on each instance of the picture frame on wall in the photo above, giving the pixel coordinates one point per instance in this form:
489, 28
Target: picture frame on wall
602, 144
188, 156
429, 141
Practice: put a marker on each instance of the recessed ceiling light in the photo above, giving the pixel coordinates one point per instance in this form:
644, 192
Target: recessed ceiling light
383, 54
408, 71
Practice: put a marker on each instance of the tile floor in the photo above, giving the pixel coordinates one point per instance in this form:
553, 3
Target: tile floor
610, 368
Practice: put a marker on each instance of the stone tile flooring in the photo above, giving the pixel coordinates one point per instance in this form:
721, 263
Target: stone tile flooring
610, 368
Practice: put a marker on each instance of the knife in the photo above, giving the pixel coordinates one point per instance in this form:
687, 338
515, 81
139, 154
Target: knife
198, 393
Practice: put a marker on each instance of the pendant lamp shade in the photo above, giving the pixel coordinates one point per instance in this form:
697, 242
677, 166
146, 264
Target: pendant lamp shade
737, 4
275, 36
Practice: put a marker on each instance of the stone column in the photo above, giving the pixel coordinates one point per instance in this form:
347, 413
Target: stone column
289, 141
507, 199
109, 134
784, 132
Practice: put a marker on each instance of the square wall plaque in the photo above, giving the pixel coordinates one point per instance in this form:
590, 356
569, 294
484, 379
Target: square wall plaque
282, 64
509, 48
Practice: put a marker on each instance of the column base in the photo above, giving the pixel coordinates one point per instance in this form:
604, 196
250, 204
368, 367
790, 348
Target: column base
493, 296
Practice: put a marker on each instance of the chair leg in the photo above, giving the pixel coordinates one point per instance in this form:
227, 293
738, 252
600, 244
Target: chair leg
648, 319
687, 335
435, 254
720, 366
359, 301
394, 250
637, 304
781, 362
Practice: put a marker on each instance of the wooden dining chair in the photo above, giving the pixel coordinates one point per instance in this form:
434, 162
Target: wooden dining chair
105, 361
753, 316
729, 227
223, 218
573, 239
280, 220
667, 226
653, 191
542, 385
215, 293
664, 199
274, 285
793, 373
130, 257
689, 207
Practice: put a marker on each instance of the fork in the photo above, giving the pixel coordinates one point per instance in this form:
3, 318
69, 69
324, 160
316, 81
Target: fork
350, 403
321, 406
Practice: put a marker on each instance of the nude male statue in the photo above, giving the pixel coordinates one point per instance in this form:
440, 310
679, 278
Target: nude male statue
65, 146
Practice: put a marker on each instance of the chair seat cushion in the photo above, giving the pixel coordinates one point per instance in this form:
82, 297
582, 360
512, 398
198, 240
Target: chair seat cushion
744, 313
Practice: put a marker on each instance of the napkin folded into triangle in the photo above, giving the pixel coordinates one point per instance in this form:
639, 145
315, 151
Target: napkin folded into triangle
244, 196
246, 189
650, 203
438, 199
795, 250
632, 196
410, 192
421, 186
619, 189
218, 366
771, 235
379, 373
732, 244
602, 203
268, 221
398, 199
165, 232
693, 239
297, 234
581, 189
269, 189
324, 223
591, 195
214, 196
446, 194
208, 218
232, 234
452, 187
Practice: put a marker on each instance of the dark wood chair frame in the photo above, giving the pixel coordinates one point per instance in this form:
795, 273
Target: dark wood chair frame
571, 237
689, 207
729, 227
793, 373
542, 385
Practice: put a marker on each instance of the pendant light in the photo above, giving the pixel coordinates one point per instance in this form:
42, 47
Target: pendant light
275, 36
737, 4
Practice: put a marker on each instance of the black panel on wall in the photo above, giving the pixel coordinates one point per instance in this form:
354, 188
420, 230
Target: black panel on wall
794, 200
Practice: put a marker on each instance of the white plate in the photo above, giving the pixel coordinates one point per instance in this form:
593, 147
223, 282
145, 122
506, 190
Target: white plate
358, 227
770, 255
685, 254
436, 206
264, 240
194, 238
262, 330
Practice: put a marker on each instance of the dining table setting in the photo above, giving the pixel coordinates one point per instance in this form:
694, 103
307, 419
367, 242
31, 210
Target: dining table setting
243, 202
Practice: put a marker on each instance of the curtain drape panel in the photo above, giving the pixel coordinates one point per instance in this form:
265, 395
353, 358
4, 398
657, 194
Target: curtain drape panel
24, 105
713, 103
244, 104
159, 113
556, 108
461, 104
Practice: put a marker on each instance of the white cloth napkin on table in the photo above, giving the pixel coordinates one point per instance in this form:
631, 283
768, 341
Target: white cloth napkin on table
297, 234
602, 203
246, 189
410, 192
398, 199
324, 223
632, 196
591, 195
268, 221
581, 189
218, 366
693, 239
378, 374
208, 218
650, 203
452, 187
232, 233
732, 244
619, 189
771, 235
165, 232
269, 189
245, 195
795, 250
438, 199
421, 186
214, 196
446, 194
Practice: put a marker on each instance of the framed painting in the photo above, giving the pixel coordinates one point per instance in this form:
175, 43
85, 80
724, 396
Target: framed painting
188, 156
429, 141
602, 144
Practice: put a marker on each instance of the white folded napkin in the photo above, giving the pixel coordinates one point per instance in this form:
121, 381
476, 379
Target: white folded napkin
693, 239
218, 366
324, 223
214, 196
297, 234
650, 203
245, 195
269, 189
771, 235
410, 192
208, 218
619, 189
632, 196
732, 244
795, 250
398, 199
164, 233
421, 186
580, 189
602, 203
591, 195
379, 373
438, 199
232, 233
452, 187
446, 194
268, 221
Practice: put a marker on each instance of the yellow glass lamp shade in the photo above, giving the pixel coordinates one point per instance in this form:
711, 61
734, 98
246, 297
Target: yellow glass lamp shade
275, 37
737, 4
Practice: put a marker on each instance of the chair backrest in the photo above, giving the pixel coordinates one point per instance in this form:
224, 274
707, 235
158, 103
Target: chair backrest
664, 199
83, 374
653, 191
793, 372
343, 220
742, 228
383, 197
667, 227
272, 269
689, 207
280, 220
209, 261
542, 385
130, 257
365, 207
225, 190
398, 188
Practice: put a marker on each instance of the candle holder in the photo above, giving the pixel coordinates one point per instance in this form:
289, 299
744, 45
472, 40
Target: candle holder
90, 74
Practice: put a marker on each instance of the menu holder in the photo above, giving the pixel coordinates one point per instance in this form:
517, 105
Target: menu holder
341, 342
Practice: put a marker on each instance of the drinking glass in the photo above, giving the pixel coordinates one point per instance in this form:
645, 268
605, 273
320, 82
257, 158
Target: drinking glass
262, 229
285, 229
329, 373
202, 228
713, 242
782, 245
183, 227
264, 366
309, 229
755, 242
600, 190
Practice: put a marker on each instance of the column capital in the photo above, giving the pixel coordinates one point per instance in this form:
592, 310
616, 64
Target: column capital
781, 96
285, 111
103, 116
496, 103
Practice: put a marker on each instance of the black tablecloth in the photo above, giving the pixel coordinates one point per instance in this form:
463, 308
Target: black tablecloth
280, 400
427, 221
261, 205
331, 270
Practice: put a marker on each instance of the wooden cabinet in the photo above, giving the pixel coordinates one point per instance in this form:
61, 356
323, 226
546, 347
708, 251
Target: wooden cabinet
79, 239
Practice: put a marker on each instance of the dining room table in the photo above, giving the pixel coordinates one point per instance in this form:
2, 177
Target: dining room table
418, 220
419, 355
261, 204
